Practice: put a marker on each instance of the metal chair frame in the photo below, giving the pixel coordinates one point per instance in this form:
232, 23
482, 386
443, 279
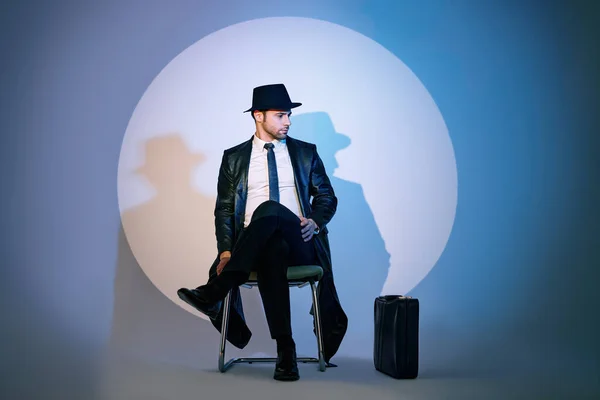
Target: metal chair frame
224, 366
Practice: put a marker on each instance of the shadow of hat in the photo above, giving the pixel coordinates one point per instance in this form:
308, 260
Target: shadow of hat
317, 127
168, 151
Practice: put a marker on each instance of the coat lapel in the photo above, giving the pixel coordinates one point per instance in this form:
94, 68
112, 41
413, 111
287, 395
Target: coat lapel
241, 179
299, 177
244, 166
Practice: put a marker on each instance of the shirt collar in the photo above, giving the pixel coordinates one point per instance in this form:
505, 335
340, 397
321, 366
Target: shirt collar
259, 143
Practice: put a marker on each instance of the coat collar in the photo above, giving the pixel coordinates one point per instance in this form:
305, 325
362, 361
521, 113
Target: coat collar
246, 151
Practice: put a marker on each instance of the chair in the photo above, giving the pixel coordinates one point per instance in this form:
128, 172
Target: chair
298, 276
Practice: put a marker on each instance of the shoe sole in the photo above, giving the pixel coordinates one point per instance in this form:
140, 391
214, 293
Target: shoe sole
190, 300
287, 378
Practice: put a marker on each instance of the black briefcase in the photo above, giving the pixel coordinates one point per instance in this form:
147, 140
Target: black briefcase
396, 341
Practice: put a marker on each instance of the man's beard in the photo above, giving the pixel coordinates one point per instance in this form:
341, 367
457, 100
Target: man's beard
277, 134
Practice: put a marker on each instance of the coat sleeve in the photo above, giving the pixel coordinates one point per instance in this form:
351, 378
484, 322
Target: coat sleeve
224, 208
324, 203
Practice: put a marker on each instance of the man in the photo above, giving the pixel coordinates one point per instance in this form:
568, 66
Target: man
265, 221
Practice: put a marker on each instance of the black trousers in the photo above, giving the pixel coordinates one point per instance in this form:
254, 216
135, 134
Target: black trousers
269, 245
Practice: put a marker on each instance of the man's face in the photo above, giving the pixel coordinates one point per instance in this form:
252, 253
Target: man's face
275, 123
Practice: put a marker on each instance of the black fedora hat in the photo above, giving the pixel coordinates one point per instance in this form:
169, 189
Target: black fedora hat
271, 97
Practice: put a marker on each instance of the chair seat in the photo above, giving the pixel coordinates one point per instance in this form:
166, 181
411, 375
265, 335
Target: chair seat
297, 273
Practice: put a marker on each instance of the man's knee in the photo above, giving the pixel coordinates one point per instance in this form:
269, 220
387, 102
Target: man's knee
270, 208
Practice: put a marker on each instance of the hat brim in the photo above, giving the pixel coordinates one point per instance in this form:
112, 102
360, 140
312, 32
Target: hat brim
275, 107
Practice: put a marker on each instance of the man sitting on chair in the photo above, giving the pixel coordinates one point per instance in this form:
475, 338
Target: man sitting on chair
265, 222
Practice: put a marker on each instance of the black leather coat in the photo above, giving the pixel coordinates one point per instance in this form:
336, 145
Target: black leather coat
311, 182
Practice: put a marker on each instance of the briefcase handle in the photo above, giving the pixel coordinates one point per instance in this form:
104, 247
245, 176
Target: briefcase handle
393, 297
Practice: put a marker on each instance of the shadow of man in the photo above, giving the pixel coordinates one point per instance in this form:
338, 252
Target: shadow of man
360, 259
166, 243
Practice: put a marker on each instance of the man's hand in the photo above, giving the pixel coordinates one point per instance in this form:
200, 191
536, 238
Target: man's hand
308, 228
225, 256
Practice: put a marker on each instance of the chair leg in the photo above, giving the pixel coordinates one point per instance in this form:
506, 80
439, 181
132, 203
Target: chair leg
224, 326
317, 316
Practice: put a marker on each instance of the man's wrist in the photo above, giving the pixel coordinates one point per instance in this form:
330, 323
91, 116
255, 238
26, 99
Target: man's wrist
225, 254
317, 229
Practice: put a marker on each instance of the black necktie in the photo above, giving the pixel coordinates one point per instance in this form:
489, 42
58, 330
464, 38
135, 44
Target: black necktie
273, 180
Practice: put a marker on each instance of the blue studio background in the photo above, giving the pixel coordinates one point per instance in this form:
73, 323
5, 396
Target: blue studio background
517, 82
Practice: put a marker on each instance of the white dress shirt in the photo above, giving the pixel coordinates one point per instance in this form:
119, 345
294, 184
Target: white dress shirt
258, 178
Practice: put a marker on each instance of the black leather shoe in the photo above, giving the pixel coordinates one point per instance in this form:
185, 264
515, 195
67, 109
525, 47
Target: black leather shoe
195, 299
286, 368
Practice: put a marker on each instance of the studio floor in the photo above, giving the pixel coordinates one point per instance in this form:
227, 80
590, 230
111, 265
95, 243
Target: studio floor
352, 379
